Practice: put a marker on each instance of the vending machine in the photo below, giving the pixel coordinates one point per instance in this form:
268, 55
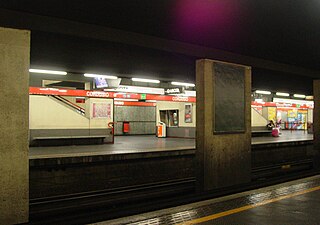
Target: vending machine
302, 118
161, 130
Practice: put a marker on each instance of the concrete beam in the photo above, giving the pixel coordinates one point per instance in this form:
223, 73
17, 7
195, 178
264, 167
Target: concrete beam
11, 18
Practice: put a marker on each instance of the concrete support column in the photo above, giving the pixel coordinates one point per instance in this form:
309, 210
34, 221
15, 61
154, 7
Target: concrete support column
223, 154
316, 123
14, 102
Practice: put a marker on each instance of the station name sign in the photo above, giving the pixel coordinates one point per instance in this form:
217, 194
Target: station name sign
173, 91
137, 89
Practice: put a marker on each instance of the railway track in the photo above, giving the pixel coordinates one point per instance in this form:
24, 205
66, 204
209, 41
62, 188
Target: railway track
89, 207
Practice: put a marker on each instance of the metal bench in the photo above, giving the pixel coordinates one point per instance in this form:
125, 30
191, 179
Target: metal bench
68, 140
69, 137
260, 131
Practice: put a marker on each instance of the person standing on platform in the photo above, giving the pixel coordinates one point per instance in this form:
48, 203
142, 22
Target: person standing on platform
270, 125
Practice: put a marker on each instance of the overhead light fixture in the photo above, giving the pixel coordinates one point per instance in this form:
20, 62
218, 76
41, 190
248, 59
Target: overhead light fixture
282, 94
190, 93
182, 84
47, 71
146, 80
299, 96
126, 99
263, 92
310, 97
260, 100
100, 75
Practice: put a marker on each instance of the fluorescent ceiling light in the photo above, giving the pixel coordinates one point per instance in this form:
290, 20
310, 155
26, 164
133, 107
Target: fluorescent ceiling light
190, 93
282, 94
299, 96
151, 100
100, 75
126, 99
259, 100
146, 80
182, 84
47, 71
310, 97
263, 92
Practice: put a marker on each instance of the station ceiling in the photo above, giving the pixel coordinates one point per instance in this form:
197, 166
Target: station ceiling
285, 32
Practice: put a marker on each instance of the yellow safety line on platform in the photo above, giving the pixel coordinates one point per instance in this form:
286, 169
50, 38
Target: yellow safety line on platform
233, 211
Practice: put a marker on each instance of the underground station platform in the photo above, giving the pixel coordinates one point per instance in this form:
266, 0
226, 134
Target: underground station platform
294, 202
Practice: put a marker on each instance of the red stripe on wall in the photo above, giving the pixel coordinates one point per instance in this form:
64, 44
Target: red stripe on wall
105, 94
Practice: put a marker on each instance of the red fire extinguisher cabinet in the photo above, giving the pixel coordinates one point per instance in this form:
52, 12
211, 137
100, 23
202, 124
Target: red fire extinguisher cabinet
126, 127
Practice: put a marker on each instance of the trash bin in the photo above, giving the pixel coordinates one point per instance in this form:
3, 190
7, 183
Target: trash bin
161, 130
275, 132
126, 127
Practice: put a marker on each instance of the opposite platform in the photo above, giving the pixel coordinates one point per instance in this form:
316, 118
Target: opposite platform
148, 143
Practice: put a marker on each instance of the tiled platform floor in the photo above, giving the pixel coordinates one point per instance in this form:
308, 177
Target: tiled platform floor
295, 202
147, 143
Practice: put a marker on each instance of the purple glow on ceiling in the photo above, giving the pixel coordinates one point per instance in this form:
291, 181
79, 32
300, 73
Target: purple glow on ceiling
206, 19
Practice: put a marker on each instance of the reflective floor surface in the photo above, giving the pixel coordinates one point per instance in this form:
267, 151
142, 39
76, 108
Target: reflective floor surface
285, 136
123, 144
295, 202
147, 143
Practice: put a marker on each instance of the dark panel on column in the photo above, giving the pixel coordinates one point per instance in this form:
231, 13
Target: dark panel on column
223, 124
228, 95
